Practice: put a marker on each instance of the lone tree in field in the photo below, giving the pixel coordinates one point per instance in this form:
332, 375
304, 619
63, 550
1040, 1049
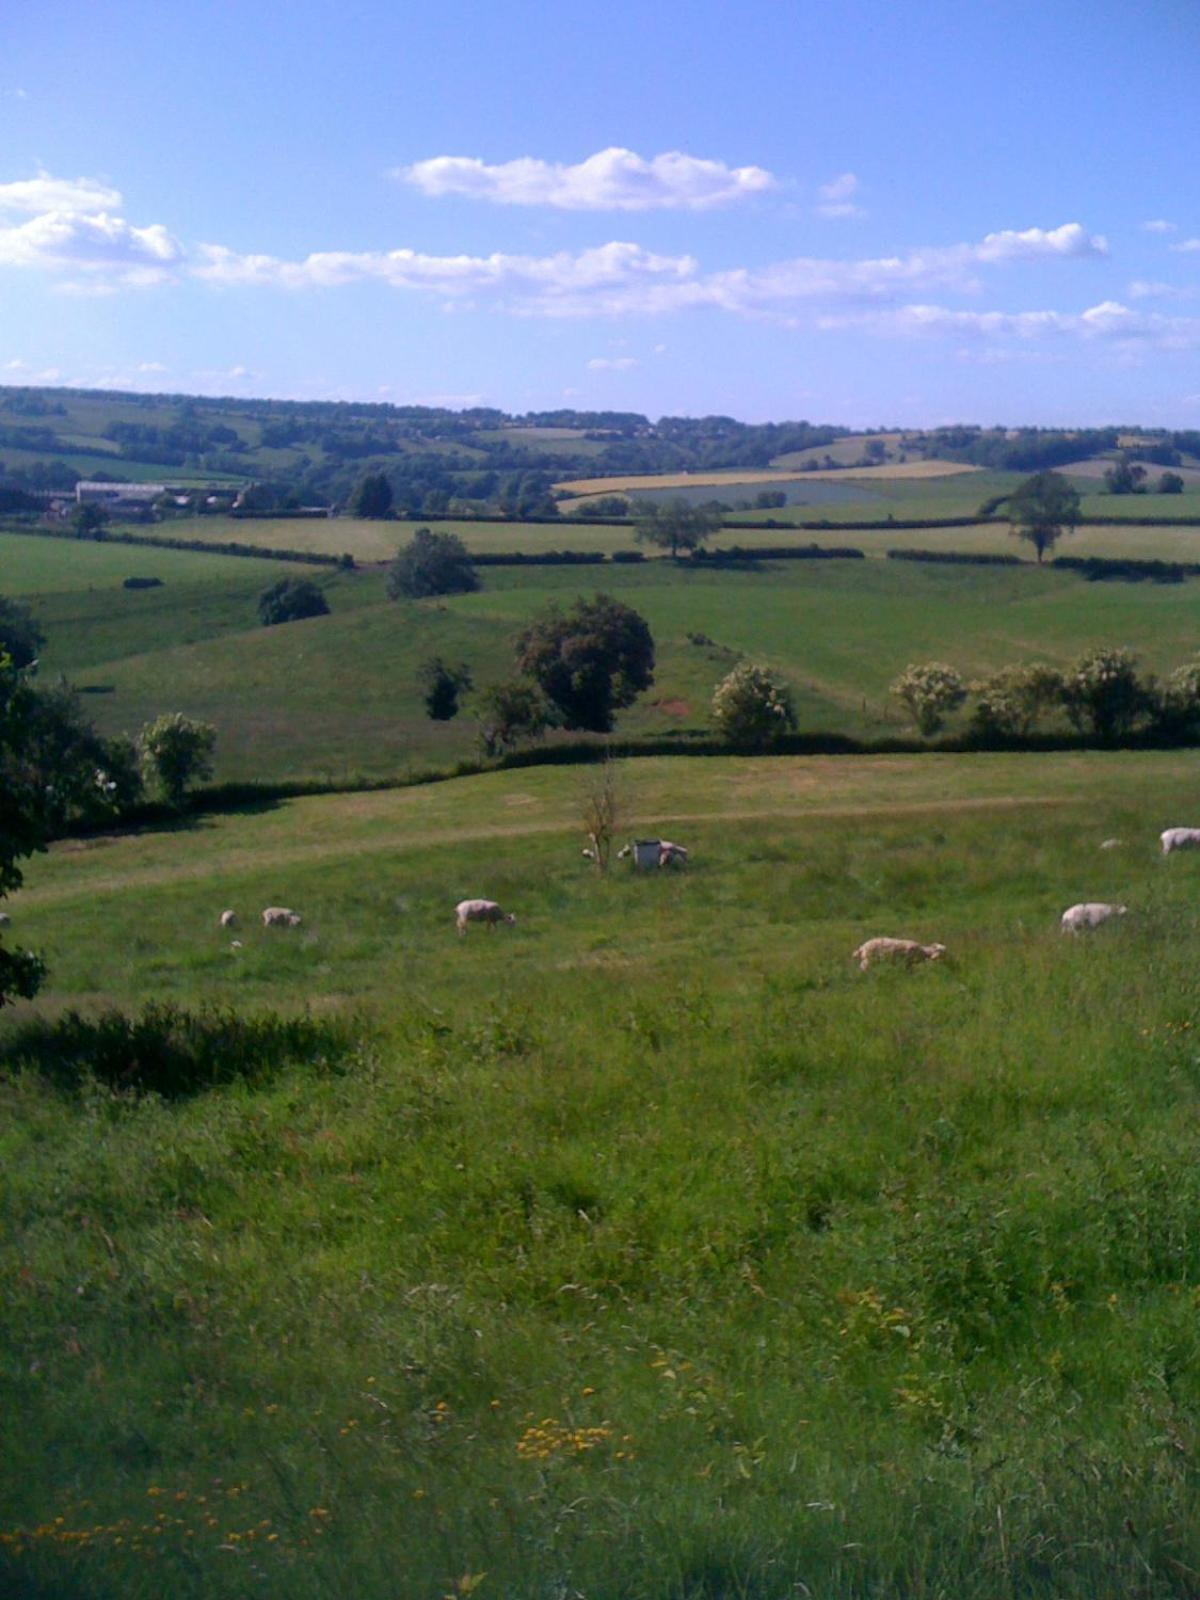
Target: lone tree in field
753, 707
675, 525
589, 662
372, 497
1041, 508
441, 685
176, 752
88, 521
434, 563
929, 693
291, 600
603, 808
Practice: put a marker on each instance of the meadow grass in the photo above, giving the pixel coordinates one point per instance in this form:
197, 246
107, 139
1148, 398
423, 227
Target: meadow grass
645, 1250
338, 697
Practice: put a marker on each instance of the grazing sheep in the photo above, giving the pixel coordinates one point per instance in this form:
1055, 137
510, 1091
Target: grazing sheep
280, 917
1179, 839
229, 919
235, 944
906, 950
1111, 844
480, 911
671, 855
1090, 914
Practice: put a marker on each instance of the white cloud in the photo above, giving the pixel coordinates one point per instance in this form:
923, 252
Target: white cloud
1070, 241
1107, 322
837, 197
1187, 247
1151, 289
1160, 226
612, 363
611, 180
77, 241
44, 193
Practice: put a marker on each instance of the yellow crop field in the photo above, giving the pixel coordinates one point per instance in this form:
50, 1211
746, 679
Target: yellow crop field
735, 480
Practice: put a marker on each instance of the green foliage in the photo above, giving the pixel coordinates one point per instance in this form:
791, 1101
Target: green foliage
511, 714
753, 706
88, 521
1102, 693
1041, 507
1125, 478
442, 684
372, 497
176, 753
291, 600
1175, 704
24, 823
170, 1051
675, 525
590, 661
1169, 483
1009, 703
433, 564
20, 635
929, 693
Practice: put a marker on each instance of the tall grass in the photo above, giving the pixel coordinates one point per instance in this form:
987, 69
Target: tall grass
647, 1249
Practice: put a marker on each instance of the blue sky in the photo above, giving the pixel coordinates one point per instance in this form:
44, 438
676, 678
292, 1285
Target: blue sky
863, 213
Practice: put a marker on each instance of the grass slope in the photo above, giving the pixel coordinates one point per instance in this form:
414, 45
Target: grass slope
645, 1250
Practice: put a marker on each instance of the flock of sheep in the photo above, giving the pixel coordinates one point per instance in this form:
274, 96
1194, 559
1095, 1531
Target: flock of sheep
1075, 919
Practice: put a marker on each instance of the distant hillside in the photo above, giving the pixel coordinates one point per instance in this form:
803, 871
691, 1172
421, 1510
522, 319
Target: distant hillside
437, 460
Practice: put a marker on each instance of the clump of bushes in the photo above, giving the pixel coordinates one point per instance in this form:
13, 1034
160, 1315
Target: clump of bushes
291, 600
1102, 695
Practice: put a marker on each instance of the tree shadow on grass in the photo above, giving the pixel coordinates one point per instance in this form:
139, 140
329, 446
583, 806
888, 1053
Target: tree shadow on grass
169, 1051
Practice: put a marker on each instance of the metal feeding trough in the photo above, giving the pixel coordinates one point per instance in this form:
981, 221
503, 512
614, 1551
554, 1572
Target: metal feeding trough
645, 853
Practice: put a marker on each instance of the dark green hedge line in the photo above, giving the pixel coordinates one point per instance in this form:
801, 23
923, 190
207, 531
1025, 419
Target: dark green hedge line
779, 552
1123, 569
296, 514
158, 541
957, 558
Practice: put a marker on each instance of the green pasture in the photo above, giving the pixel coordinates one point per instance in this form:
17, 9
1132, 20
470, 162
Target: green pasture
337, 697
30, 565
646, 1250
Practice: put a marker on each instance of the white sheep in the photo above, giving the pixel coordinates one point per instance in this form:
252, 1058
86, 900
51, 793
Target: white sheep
486, 911
1179, 839
1089, 914
280, 917
907, 950
229, 919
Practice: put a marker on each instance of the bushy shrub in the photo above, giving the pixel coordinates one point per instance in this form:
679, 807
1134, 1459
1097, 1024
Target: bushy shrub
291, 600
929, 693
176, 752
752, 706
441, 685
510, 714
1176, 703
1103, 695
1010, 702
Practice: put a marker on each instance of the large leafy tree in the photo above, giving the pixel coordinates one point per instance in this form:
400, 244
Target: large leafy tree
372, 497
1041, 508
590, 662
177, 752
675, 525
434, 563
55, 770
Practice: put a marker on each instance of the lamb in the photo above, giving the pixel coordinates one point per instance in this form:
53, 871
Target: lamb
1089, 914
480, 911
280, 917
906, 950
229, 919
1179, 839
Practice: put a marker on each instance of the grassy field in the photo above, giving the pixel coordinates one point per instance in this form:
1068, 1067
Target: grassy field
735, 478
337, 697
646, 1250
